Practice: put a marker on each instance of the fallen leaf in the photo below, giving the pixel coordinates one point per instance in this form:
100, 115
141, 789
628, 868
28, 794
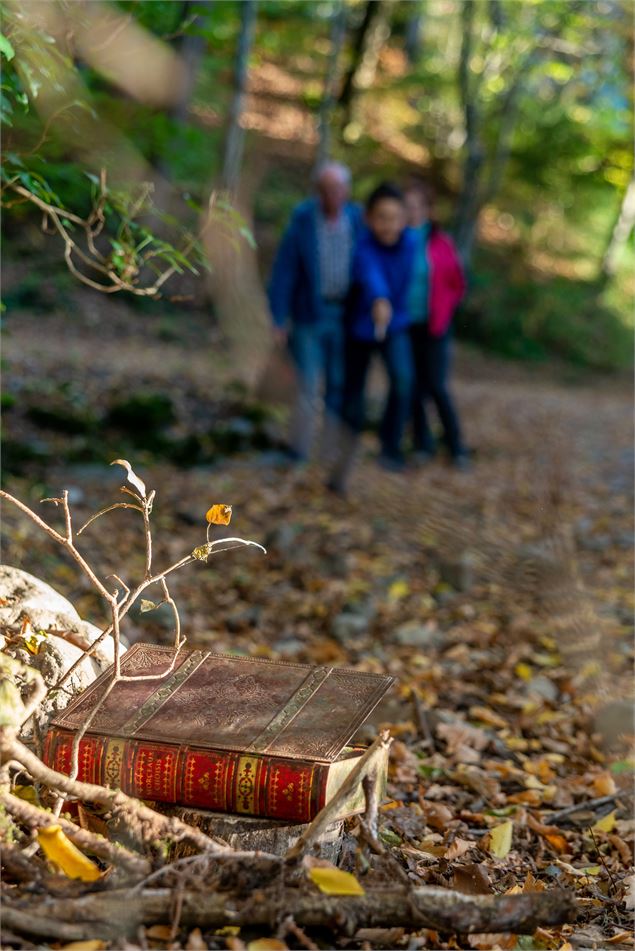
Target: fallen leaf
558, 841
472, 879
604, 784
629, 892
624, 849
60, 850
333, 881
523, 671
33, 640
398, 589
267, 944
458, 848
500, 839
219, 514
606, 823
195, 941
485, 715
437, 815
95, 944
485, 942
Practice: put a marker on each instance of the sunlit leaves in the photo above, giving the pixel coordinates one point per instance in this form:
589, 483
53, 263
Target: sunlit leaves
334, 881
219, 514
500, 839
59, 849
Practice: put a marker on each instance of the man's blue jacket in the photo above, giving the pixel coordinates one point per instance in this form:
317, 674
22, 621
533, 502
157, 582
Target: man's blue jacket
294, 288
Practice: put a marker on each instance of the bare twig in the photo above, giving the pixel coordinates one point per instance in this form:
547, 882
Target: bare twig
327, 815
36, 818
111, 914
580, 807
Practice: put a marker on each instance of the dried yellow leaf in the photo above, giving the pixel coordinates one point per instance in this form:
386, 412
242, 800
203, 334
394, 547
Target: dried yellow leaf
606, 823
93, 945
500, 839
523, 671
333, 881
398, 589
267, 944
219, 514
60, 850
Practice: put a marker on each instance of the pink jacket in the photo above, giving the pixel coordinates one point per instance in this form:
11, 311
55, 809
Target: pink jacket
447, 283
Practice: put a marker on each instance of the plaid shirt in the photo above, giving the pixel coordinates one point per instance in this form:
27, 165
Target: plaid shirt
335, 249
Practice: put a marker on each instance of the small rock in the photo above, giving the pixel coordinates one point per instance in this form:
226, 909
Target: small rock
544, 687
415, 634
614, 720
347, 625
290, 646
458, 572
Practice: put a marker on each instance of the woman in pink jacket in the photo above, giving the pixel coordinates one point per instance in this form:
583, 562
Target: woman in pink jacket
437, 287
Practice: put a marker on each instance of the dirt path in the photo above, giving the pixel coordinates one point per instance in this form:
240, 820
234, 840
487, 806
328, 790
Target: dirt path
493, 651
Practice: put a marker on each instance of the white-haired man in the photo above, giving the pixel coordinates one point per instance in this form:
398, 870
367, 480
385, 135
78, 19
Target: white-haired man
309, 285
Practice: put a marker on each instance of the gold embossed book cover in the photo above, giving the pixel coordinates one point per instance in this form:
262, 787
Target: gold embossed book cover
220, 732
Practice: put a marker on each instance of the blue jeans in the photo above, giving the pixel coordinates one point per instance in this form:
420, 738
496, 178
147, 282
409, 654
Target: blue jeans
318, 354
396, 354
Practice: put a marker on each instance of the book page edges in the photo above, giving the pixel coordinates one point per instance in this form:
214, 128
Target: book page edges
355, 802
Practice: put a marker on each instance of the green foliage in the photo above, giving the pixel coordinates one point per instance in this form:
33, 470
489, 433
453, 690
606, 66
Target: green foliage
535, 283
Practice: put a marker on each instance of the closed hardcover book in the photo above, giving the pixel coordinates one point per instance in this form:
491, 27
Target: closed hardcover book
220, 732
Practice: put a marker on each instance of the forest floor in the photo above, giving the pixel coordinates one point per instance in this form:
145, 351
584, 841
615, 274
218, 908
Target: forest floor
500, 598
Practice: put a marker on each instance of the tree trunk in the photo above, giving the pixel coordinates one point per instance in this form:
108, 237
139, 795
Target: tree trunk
191, 50
414, 33
621, 231
371, 11
338, 35
234, 143
469, 199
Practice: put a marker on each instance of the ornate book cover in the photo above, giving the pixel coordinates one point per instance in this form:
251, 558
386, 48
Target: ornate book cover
221, 732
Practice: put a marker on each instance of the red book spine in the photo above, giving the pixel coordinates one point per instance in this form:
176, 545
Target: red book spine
222, 781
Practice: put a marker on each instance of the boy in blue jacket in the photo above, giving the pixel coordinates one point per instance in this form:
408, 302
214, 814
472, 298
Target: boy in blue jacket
377, 322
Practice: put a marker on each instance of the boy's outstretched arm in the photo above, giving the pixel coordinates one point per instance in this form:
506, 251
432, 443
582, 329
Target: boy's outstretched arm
368, 275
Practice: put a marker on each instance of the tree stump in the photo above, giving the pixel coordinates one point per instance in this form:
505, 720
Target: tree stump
251, 833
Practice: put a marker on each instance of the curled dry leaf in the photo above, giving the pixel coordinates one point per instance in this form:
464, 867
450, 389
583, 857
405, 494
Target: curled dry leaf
133, 479
458, 848
219, 514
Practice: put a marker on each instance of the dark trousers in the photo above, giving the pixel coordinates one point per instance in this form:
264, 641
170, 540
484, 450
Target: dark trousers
396, 354
432, 365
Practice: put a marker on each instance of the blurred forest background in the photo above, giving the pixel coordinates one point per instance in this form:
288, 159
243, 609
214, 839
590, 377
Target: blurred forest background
519, 112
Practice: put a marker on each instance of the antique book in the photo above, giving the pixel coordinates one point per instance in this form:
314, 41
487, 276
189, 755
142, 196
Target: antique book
220, 732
